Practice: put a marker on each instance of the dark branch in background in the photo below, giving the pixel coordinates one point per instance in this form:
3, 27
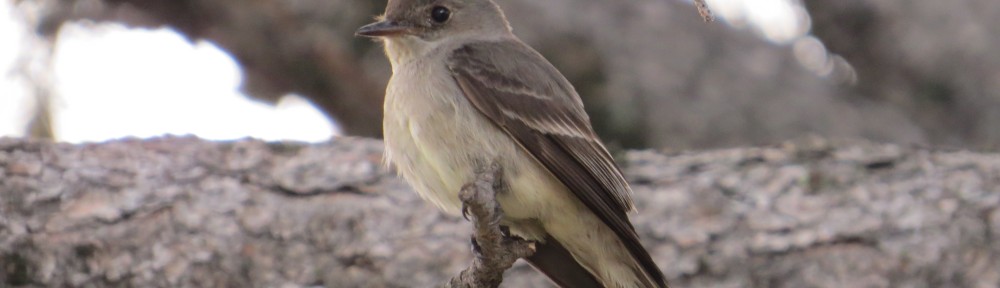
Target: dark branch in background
495, 252
933, 61
649, 72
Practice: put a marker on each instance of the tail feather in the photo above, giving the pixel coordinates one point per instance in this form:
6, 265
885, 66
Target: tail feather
553, 260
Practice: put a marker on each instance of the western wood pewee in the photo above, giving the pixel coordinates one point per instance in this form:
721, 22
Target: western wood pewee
466, 92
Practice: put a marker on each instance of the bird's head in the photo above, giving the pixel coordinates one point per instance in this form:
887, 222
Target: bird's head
434, 20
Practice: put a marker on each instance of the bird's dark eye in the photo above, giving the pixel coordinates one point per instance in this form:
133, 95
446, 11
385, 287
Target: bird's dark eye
440, 14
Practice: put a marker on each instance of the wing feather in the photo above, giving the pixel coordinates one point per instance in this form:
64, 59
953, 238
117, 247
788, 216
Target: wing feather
531, 101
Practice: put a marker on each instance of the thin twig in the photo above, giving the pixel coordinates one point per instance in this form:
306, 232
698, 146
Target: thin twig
497, 252
703, 10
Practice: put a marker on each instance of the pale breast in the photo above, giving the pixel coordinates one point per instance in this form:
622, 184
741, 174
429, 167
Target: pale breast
436, 139
433, 136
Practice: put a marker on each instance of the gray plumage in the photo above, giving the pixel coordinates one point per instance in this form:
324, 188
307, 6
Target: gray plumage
466, 92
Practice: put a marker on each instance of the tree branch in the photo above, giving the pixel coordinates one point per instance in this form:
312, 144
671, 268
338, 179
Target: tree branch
495, 251
703, 10
184, 212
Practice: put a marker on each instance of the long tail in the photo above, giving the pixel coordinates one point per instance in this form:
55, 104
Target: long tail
553, 260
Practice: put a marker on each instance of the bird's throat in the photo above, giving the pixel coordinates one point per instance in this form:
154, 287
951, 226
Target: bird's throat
403, 50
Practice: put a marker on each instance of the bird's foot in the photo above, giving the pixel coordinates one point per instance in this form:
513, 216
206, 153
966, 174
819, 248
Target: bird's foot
493, 245
465, 210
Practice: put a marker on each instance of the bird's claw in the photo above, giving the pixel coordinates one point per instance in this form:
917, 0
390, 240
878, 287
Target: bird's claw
465, 211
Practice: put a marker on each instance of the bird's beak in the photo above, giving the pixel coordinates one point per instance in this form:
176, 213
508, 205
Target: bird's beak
384, 29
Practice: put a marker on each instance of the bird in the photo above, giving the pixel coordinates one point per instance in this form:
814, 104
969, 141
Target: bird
465, 92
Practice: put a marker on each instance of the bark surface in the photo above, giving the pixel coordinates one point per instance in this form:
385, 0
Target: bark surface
183, 212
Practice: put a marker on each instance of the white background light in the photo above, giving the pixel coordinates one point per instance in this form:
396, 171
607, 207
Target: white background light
111, 82
115, 81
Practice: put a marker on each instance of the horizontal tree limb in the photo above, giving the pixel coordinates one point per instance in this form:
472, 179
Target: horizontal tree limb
184, 212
